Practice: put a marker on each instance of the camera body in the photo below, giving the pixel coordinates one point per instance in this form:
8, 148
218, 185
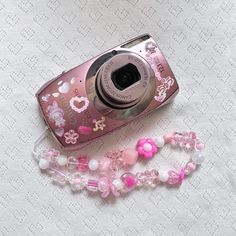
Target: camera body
107, 92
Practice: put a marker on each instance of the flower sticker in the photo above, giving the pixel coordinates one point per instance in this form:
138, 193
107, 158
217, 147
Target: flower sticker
146, 147
71, 137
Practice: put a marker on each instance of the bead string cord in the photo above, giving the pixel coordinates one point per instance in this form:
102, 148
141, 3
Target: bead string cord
71, 170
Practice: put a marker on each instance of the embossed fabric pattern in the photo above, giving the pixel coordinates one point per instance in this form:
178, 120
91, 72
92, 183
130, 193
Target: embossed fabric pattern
40, 39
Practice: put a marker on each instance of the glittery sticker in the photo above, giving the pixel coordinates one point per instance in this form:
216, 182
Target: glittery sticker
99, 124
161, 89
79, 100
55, 113
71, 137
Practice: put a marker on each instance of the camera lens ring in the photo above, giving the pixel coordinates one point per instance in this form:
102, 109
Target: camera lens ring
133, 93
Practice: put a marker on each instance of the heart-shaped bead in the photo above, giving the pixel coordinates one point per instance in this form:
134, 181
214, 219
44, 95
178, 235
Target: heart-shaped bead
129, 180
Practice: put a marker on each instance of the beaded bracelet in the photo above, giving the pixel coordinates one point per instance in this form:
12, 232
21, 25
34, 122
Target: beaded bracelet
72, 169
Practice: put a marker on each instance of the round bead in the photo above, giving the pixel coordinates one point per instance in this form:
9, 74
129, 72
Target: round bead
167, 138
104, 164
200, 146
160, 142
129, 156
187, 146
198, 158
118, 184
147, 147
62, 161
43, 164
163, 176
93, 164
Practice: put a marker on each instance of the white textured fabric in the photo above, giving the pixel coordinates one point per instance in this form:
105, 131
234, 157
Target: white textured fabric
40, 39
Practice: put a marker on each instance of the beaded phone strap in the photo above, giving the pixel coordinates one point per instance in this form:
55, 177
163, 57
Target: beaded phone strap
71, 170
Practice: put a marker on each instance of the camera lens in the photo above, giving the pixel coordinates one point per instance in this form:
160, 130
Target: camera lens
125, 76
123, 80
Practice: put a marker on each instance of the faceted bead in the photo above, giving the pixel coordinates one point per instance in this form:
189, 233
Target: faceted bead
82, 165
93, 165
129, 156
74, 178
103, 184
163, 176
104, 164
198, 158
72, 162
43, 164
58, 179
141, 178
160, 142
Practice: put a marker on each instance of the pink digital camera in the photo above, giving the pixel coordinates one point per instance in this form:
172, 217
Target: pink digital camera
106, 92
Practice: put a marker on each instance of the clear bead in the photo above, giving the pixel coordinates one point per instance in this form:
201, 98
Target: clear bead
141, 178
72, 163
59, 179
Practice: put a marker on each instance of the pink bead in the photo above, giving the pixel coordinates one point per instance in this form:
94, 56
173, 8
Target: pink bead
200, 146
190, 167
129, 156
167, 138
129, 180
82, 163
181, 175
104, 164
146, 148
92, 185
192, 134
103, 184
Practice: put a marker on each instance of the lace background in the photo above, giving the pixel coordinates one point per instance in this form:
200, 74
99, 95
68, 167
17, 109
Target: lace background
40, 39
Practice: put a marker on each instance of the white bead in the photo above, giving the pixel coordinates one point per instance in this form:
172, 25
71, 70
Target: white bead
43, 164
147, 147
93, 164
160, 142
187, 146
62, 161
118, 184
198, 158
163, 176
